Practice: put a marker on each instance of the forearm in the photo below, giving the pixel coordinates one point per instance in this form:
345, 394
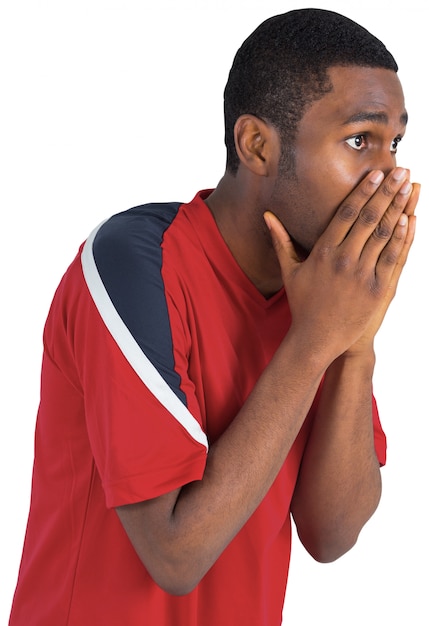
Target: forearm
339, 484
179, 536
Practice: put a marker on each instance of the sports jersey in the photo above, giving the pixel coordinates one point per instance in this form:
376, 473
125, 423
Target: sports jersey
154, 339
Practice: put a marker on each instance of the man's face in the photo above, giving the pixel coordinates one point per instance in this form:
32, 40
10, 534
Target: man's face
353, 129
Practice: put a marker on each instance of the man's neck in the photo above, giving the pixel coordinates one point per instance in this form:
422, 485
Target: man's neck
238, 211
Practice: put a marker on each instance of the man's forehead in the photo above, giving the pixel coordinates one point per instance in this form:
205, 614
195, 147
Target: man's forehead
362, 94
374, 116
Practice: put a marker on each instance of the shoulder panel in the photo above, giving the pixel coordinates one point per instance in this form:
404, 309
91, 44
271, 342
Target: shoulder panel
122, 262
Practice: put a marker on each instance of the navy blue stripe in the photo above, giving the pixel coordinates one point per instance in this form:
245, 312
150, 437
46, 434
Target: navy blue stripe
127, 252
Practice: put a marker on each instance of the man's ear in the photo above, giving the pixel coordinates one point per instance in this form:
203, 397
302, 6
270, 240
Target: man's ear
257, 144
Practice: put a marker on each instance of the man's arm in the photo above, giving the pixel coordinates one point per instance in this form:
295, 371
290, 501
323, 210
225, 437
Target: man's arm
180, 535
339, 484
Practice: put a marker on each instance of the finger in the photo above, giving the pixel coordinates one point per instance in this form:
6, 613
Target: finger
409, 238
409, 211
282, 243
395, 254
391, 253
361, 211
384, 230
413, 199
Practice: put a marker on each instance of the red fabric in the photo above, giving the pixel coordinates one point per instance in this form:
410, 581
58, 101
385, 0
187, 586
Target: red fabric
103, 439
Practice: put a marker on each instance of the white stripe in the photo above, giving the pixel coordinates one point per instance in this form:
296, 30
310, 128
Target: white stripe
130, 348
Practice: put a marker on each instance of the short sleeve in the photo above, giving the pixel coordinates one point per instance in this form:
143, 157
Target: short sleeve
144, 438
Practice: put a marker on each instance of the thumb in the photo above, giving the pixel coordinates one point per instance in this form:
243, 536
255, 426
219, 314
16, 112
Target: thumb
282, 244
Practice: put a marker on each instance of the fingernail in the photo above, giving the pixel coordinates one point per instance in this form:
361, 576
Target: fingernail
406, 188
267, 220
403, 220
376, 177
399, 174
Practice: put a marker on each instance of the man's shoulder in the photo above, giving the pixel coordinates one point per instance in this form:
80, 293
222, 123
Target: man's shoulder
144, 220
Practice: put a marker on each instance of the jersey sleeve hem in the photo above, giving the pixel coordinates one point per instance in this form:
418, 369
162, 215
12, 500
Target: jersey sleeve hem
148, 485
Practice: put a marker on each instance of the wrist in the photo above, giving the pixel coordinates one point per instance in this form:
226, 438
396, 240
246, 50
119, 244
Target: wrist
362, 357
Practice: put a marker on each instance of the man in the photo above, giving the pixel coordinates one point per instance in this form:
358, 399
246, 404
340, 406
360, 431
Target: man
208, 366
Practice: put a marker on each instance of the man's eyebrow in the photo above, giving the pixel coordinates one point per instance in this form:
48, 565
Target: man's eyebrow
374, 116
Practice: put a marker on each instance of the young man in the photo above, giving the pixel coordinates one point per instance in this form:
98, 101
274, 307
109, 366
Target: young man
208, 366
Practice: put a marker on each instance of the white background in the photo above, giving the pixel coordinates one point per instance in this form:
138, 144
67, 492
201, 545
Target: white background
108, 104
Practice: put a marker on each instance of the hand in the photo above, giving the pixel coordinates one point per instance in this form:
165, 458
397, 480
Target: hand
338, 296
366, 341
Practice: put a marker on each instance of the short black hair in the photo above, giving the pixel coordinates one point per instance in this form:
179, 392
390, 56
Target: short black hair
281, 68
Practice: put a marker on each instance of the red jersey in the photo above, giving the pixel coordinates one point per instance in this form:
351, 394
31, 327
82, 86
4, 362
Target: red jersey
153, 342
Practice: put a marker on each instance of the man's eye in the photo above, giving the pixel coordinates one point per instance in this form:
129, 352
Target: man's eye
394, 145
358, 142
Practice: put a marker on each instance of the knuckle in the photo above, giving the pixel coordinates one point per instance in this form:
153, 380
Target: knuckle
398, 236
347, 212
382, 231
390, 258
342, 262
277, 245
375, 288
398, 202
322, 251
369, 216
387, 189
